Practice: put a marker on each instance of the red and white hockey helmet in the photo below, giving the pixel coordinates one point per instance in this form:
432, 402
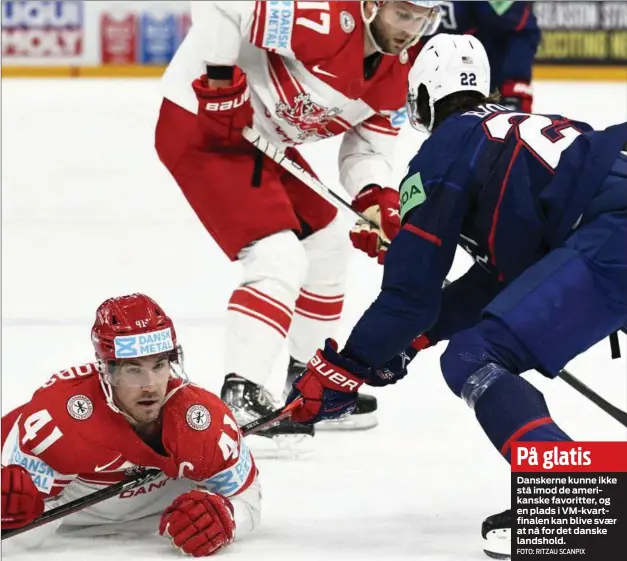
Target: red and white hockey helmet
425, 24
132, 326
129, 327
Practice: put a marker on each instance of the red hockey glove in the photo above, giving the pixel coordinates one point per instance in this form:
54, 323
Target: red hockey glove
21, 500
517, 96
328, 386
381, 206
224, 112
199, 523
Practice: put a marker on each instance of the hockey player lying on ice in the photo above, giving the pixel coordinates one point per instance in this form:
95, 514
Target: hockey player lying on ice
299, 72
87, 425
540, 202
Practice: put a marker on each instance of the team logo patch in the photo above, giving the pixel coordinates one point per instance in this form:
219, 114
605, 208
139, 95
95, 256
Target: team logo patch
412, 193
198, 417
308, 117
347, 22
80, 407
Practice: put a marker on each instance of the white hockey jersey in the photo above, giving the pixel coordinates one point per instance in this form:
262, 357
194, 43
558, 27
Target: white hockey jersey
305, 67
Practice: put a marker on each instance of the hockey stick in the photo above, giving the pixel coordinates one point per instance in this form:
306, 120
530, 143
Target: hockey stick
276, 155
578, 385
257, 140
141, 477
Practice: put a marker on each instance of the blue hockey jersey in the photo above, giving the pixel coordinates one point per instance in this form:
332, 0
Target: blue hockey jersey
508, 31
506, 186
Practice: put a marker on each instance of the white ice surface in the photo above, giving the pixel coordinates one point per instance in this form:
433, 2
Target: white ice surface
88, 212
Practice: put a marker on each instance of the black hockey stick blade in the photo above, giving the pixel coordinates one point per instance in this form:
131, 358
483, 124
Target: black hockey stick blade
140, 477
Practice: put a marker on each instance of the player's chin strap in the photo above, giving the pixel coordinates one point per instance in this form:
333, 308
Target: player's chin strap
277, 155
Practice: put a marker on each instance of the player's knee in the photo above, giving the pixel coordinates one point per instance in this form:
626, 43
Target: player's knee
467, 354
279, 258
328, 251
462, 357
476, 358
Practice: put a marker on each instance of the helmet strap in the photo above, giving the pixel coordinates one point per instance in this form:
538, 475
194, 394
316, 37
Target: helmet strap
432, 114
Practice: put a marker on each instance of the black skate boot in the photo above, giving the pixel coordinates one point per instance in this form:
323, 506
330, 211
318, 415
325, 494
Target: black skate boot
249, 401
496, 531
362, 418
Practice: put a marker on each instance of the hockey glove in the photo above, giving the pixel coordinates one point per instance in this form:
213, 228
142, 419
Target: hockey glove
518, 96
381, 206
224, 112
199, 523
22, 503
396, 368
328, 386
330, 383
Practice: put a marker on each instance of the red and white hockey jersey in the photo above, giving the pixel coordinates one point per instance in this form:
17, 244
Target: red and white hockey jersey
305, 67
72, 443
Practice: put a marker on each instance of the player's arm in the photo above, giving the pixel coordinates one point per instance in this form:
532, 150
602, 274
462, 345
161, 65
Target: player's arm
32, 455
378, 348
516, 23
292, 29
227, 503
236, 475
366, 162
418, 261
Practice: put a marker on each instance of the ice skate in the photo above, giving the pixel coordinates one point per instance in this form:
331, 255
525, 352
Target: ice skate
496, 531
249, 401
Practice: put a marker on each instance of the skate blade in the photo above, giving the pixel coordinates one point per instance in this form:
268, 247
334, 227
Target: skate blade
498, 544
281, 446
366, 421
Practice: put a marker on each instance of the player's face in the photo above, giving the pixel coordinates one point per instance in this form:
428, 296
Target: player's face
398, 23
140, 385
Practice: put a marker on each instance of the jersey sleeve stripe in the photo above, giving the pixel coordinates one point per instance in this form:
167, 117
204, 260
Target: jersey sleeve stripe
381, 130
425, 235
257, 28
524, 18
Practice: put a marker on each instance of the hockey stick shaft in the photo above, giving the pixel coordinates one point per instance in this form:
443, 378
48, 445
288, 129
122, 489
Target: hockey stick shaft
578, 385
305, 177
278, 156
142, 477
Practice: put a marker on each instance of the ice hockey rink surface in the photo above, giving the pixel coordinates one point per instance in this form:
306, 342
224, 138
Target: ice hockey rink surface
88, 212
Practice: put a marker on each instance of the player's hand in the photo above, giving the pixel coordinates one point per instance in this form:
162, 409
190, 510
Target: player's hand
199, 523
518, 96
328, 387
381, 206
21, 500
224, 112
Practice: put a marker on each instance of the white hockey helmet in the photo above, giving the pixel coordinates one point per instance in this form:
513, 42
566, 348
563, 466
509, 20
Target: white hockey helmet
447, 64
424, 26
